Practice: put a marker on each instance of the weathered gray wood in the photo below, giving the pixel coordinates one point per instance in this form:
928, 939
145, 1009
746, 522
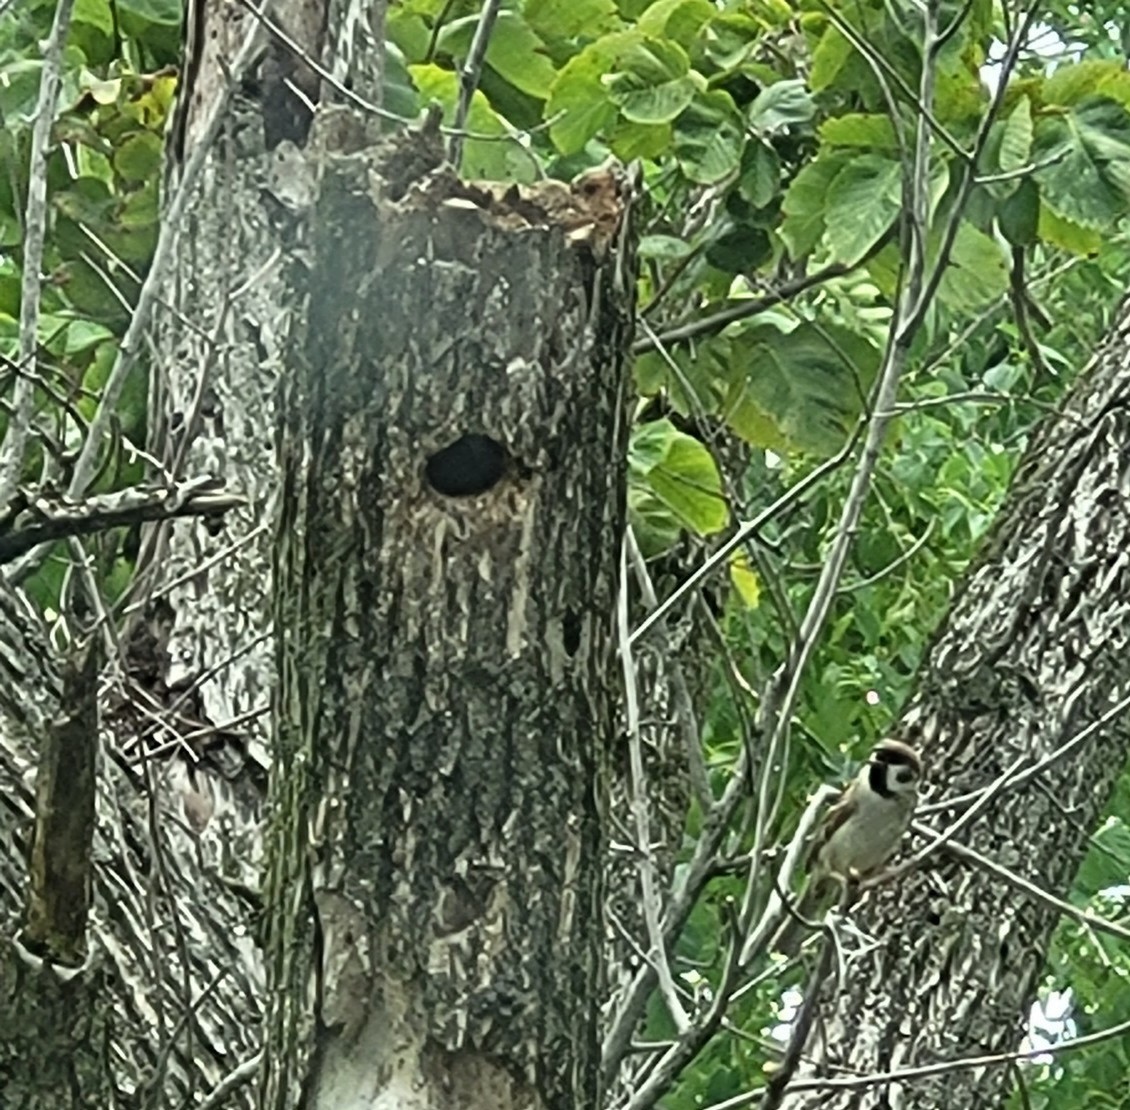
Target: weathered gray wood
453, 443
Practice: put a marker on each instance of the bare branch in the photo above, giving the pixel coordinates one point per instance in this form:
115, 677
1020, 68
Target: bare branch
47, 519
35, 229
1024, 886
657, 954
469, 76
173, 221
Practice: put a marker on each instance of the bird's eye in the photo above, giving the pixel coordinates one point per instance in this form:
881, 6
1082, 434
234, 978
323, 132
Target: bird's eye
905, 774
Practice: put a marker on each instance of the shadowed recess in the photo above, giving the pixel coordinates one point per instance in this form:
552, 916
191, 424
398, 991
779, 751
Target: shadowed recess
472, 464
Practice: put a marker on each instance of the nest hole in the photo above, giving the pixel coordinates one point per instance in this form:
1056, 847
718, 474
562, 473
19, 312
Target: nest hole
470, 465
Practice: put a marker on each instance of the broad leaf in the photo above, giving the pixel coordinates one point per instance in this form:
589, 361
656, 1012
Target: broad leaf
1016, 140
653, 82
1089, 147
862, 203
681, 473
709, 138
854, 129
806, 387
579, 104
805, 204
780, 106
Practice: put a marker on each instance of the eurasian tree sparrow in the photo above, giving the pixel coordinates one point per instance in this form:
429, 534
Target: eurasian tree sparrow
858, 834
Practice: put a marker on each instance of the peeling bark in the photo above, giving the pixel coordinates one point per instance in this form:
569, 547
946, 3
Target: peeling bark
120, 1029
1032, 654
453, 443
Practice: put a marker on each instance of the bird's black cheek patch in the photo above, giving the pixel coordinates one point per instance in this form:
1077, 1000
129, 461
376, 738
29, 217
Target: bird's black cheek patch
472, 464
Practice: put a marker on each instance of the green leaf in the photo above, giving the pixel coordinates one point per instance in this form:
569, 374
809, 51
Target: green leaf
977, 272
1019, 214
656, 528
780, 106
578, 103
828, 58
1107, 862
681, 473
565, 19
640, 140
709, 138
81, 335
677, 20
745, 579
138, 157
665, 248
19, 90
482, 158
805, 204
653, 82
808, 385
857, 129
141, 209
95, 12
515, 51
153, 11
409, 33
1089, 145
739, 248
1066, 234
1016, 140
862, 203
1071, 84
399, 92
761, 173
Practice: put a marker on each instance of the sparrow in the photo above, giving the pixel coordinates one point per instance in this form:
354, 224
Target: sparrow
860, 832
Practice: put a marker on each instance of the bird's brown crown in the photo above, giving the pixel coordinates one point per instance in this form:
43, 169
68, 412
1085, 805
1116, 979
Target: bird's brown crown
896, 753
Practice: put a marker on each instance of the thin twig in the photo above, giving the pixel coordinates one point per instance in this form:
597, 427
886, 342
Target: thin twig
691, 879
961, 1064
759, 936
694, 1039
35, 230
995, 788
236, 1078
892, 566
877, 61
900, 1075
802, 1028
469, 76
175, 219
793, 494
649, 890
711, 325
1020, 778
1025, 886
684, 707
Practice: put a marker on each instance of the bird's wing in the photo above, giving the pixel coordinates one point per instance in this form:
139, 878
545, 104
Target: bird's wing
838, 813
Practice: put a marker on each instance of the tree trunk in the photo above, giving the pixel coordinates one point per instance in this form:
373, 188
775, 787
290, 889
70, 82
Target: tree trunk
453, 443
1032, 655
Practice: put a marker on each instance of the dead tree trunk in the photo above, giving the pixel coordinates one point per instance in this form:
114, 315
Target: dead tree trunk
1028, 673
453, 446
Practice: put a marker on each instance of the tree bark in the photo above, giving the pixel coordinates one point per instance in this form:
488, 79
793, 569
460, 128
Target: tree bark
453, 443
1032, 656
166, 1001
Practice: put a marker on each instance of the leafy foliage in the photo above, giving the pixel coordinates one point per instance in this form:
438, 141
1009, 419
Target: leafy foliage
104, 180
